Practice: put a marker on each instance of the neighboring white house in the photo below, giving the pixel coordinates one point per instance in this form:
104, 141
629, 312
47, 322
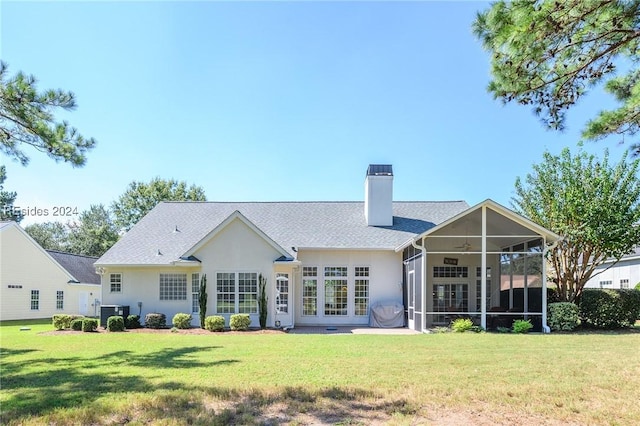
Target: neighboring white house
35, 283
331, 263
624, 274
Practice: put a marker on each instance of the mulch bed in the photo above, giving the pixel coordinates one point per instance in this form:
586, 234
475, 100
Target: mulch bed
168, 331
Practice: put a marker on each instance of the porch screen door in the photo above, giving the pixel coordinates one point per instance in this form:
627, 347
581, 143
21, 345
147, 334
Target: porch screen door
411, 295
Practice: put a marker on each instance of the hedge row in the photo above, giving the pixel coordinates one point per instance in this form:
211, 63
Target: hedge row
610, 308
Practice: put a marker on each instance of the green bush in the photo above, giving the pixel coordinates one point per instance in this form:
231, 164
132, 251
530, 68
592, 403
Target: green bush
477, 329
522, 326
115, 323
563, 316
602, 308
155, 320
89, 324
62, 321
182, 321
638, 286
503, 329
630, 305
240, 322
76, 324
132, 321
461, 325
214, 323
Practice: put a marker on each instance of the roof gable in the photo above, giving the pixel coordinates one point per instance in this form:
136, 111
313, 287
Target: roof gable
80, 266
236, 215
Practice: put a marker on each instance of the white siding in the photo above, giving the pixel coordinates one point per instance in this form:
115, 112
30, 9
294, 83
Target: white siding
625, 269
385, 281
236, 248
24, 263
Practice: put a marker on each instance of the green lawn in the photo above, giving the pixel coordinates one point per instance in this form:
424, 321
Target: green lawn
173, 378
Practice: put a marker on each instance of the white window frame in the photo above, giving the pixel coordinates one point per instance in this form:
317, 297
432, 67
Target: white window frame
238, 291
35, 300
118, 283
247, 300
310, 281
172, 286
336, 278
195, 293
362, 288
624, 283
59, 300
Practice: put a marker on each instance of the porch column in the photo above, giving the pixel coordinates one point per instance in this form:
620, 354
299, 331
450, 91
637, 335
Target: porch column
483, 271
545, 327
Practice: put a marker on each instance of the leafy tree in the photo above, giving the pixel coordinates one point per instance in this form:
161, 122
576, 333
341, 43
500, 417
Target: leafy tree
26, 118
141, 197
94, 233
593, 205
549, 53
7, 199
50, 235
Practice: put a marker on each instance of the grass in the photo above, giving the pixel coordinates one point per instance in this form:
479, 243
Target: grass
453, 378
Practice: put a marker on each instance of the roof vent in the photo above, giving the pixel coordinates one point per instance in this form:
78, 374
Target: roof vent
176, 230
159, 253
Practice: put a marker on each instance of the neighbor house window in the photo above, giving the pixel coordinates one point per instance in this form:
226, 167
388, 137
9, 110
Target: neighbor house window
225, 293
115, 283
335, 291
59, 300
173, 286
195, 293
605, 283
362, 290
310, 290
624, 283
247, 293
35, 300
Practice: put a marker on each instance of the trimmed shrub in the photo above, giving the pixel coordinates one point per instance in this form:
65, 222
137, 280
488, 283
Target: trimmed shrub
602, 308
155, 320
239, 322
630, 305
115, 323
89, 324
214, 323
61, 321
132, 321
477, 329
522, 326
76, 324
563, 316
182, 321
461, 325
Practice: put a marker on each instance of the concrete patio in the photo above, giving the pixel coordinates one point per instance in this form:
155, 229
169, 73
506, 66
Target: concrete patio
351, 330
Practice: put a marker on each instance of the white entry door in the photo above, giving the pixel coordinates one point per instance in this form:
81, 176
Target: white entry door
283, 313
83, 303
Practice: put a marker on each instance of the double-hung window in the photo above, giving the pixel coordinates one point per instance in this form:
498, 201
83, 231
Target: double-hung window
362, 290
35, 300
59, 300
236, 292
309, 290
335, 290
115, 283
195, 293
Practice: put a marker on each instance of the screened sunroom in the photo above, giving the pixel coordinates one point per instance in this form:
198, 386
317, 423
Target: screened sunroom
443, 270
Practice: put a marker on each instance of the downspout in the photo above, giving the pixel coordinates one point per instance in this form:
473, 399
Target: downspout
545, 326
423, 284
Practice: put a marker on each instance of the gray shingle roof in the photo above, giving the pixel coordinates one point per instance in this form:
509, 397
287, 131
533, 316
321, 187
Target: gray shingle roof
79, 266
289, 224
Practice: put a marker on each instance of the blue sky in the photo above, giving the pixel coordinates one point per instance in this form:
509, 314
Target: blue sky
274, 101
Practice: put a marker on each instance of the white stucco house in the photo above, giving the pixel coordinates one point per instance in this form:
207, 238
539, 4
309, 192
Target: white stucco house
332, 263
36, 283
623, 274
